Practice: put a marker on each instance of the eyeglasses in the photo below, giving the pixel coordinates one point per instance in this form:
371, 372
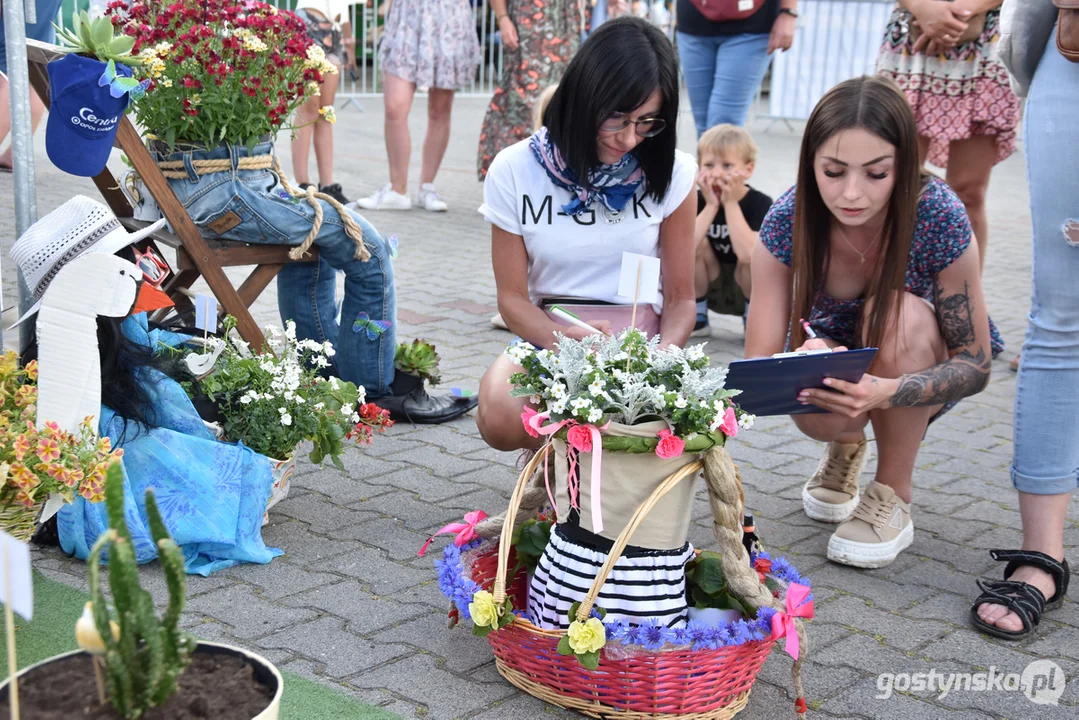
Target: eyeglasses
646, 127
153, 266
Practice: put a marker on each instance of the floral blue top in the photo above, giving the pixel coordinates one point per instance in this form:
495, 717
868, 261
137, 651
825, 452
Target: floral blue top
211, 494
941, 234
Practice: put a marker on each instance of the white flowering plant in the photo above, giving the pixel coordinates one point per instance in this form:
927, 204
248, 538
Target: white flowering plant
274, 400
629, 379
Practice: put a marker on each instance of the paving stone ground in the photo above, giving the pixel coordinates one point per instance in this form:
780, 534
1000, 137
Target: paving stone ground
350, 604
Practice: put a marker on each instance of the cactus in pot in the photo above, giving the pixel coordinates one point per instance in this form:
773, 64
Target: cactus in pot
145, 659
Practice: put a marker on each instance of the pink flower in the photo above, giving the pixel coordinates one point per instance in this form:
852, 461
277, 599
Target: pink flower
526, 420
580, 438
729, 426
670, 445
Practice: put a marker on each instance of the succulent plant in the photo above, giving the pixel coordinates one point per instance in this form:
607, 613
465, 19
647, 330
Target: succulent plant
95, 37
144, 659
420, 359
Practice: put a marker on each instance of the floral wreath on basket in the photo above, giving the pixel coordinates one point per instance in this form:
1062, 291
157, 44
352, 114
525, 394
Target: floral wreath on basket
586, 639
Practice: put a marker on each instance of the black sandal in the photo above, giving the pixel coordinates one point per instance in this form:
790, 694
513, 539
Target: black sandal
1022, 598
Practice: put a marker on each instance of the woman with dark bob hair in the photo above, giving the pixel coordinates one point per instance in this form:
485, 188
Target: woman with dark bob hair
600, 178
872, 252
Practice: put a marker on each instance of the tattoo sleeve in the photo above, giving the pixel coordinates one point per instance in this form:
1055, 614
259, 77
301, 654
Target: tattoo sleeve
965, 373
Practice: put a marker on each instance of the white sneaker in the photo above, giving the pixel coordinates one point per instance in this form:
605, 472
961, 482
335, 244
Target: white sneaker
831, 494
876, 533
429, 199
385, 199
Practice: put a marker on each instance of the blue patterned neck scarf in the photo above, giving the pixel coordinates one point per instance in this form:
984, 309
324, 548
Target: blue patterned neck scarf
613, 185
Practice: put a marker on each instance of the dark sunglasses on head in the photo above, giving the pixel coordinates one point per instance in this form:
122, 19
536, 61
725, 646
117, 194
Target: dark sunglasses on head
154, 268
646, 127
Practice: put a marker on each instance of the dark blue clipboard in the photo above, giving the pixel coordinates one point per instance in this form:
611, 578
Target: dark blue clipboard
770, 385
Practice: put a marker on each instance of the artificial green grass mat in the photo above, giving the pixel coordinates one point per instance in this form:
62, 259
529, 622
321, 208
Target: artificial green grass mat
52, 631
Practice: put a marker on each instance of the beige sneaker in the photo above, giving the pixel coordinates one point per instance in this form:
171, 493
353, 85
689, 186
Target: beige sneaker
879, 530
832, 493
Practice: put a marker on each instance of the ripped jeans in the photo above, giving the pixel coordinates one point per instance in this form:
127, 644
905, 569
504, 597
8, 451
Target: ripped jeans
1046, 454
251, 206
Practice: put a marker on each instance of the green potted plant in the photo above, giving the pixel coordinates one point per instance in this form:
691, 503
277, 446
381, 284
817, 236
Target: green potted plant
274, 400
134, 663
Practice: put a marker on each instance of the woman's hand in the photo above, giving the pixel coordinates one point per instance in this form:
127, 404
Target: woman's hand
851, 399
820, 344
509, 33
940, 20
578, 333
782, 34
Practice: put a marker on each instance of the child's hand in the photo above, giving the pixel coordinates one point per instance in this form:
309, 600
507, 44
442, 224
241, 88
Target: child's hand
733, 187
706, 182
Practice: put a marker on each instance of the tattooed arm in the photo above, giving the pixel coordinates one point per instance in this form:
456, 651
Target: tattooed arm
964, 324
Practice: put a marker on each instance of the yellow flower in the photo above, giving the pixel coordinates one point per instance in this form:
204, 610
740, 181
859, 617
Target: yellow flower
312, 88
328, 114
483, 610
586, 637
86, 634
165, 82
315, 53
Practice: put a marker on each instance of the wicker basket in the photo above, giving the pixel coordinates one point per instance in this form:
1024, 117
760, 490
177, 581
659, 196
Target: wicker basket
20, 522
679, 683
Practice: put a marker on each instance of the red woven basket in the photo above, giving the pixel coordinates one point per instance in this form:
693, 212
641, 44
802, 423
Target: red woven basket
680, 683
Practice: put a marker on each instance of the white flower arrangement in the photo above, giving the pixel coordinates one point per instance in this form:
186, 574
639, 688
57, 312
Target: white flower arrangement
628, 379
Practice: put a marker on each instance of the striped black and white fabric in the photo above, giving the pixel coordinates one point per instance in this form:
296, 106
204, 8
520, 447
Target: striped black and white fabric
644, 584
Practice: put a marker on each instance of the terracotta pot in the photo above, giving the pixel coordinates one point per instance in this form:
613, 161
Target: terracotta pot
264, 671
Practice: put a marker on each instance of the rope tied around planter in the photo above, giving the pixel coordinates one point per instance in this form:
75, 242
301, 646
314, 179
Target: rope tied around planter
177, 170
727, 498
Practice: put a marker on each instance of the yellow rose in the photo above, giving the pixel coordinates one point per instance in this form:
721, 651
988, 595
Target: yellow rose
483, 610
586, 637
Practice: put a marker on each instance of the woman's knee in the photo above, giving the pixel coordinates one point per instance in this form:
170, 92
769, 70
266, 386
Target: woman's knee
498, 414
828, 428
912, 340
971, 189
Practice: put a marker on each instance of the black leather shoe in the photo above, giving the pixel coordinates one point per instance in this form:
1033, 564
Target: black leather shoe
411, 402
335, 192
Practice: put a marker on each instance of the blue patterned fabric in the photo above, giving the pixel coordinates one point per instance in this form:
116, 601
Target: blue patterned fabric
212, 495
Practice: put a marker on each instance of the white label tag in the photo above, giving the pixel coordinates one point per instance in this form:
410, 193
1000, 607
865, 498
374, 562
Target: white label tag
15, 576
648, 293
744, 5
206, 313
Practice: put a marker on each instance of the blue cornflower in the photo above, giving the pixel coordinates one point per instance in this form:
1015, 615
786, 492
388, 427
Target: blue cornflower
680, 636
741, 633
616, 630
654, 635
764, 615
698, 634
633, 635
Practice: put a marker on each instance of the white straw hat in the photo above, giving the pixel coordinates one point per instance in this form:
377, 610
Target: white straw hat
79, 226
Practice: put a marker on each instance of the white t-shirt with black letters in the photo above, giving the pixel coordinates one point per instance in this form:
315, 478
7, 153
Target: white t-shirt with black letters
575, 257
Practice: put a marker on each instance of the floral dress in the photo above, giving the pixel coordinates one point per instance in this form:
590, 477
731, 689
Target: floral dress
550, 33
961, 94
941, 234
431, 43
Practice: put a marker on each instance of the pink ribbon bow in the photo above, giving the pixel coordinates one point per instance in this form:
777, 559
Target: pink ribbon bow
798, 606
466, 531
533, 422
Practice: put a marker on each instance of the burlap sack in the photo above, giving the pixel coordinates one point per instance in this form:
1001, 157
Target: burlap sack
627, 479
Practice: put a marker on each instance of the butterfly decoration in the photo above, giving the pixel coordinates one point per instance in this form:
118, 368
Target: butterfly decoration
373, 328
392, 242
118, 84
461, 392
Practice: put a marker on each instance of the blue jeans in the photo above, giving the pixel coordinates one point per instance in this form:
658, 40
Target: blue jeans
1046, 453
722, 74
254, 208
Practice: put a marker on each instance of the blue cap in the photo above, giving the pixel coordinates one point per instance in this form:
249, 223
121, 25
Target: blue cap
83, 115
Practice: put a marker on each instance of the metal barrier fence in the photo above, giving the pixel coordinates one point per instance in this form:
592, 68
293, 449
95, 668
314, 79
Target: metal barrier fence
835, 40
367, 18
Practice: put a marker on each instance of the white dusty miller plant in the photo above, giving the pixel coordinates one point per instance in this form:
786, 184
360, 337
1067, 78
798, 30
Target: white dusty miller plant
628, 379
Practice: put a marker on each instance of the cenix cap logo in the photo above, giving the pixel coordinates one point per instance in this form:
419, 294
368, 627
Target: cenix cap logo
90, 121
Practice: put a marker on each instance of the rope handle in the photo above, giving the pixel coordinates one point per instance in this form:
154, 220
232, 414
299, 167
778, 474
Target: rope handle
505, 540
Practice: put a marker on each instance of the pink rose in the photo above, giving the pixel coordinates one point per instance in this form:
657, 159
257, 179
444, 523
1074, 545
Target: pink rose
580, 438
729, 425
670, 445
526, 420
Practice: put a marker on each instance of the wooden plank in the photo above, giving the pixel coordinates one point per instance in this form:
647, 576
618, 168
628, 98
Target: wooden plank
229, 253
185, 228
257, 281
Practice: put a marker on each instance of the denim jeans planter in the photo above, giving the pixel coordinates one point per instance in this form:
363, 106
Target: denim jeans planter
253, 206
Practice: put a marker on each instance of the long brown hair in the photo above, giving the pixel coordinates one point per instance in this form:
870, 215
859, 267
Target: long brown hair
879, 106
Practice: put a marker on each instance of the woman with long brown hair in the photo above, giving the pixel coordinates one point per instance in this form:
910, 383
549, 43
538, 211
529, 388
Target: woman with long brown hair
872, 252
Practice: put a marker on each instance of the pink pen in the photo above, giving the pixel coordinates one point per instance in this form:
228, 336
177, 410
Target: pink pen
809, 330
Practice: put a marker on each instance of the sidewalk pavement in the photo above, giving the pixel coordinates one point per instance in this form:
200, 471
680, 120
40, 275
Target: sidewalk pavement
352, 606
